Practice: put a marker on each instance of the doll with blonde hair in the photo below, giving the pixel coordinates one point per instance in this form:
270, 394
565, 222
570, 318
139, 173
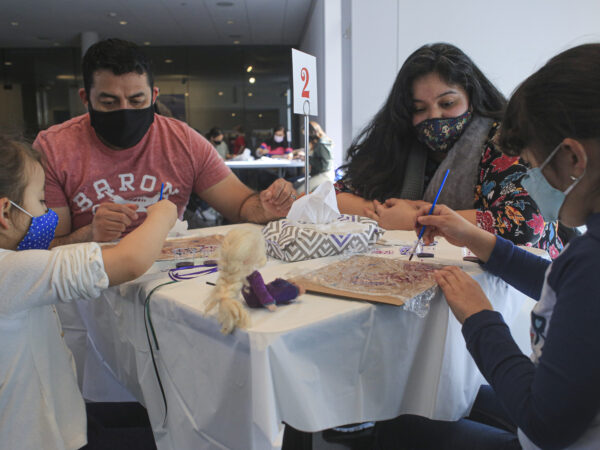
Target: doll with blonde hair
242, 252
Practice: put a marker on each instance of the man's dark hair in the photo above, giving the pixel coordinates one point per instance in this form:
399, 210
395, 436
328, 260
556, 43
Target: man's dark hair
118, 56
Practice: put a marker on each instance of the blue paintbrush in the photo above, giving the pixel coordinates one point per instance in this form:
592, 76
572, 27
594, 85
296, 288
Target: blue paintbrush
430, 212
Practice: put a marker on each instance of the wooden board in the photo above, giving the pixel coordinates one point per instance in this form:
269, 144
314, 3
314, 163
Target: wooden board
318, 289
363, 277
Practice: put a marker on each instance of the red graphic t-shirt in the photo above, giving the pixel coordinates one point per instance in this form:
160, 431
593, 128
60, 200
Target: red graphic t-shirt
82, 172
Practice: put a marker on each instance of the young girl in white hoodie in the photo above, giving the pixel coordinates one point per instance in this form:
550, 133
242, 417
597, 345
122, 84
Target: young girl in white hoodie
40, 403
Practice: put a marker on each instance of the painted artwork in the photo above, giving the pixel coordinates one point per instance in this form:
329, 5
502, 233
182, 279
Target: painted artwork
192, 247
372, 278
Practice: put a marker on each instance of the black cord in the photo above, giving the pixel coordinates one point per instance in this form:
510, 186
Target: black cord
148, 320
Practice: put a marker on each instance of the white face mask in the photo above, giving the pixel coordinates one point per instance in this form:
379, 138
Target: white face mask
278, 139
548, 199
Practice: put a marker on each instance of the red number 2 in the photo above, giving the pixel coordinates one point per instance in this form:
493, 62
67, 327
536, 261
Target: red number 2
304, 76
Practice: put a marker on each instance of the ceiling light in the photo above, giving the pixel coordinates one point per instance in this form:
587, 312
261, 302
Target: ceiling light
232, 114
236, 42
230, 22
112, 14
15, 24
147, 43
251, 80
65, 77
220, 93
7, 63
122, 22
260, 116
187, 94
168, 61
249, 69
250, 94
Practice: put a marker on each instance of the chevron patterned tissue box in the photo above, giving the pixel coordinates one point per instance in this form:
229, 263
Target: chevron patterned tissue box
293, 242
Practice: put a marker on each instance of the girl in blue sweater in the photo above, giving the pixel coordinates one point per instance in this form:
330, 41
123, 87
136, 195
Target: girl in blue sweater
553, 122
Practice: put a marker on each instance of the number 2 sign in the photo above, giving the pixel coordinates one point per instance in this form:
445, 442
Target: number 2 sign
304, 75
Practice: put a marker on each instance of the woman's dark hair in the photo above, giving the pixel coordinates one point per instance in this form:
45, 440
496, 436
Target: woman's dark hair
378, 155
213, 133
561, 100
279, 127
14, 154
116, 55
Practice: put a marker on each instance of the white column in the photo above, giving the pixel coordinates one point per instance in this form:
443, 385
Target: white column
88, 38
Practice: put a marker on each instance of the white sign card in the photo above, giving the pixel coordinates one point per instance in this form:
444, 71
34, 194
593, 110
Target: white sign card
304, 75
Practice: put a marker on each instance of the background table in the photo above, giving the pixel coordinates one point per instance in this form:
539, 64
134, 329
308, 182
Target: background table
266, 163
314, 364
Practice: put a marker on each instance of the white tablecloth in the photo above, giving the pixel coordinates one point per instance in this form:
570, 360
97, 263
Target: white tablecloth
315, 364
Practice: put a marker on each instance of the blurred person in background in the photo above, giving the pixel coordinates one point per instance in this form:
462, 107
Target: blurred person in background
215, 137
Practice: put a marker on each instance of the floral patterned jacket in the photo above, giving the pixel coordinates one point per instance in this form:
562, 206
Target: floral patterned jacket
502, 205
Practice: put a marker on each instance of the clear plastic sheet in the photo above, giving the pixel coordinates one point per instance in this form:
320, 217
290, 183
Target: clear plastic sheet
411, 282
419, 304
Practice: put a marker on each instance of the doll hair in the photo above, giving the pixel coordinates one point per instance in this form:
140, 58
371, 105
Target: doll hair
242, 251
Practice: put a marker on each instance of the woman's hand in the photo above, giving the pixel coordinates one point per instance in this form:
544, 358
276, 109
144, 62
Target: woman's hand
395, 213
463, 294
298, 154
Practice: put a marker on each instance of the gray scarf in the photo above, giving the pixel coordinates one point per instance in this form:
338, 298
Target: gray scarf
462, 160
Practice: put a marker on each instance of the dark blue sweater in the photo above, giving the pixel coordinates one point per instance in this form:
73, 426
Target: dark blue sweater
556, 400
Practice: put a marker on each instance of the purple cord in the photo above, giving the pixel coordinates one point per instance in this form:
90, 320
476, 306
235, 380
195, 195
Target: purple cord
176, 276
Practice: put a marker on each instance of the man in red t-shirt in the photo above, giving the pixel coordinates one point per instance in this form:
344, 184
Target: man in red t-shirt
105, 167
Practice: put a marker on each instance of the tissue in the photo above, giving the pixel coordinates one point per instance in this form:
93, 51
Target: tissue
319, 207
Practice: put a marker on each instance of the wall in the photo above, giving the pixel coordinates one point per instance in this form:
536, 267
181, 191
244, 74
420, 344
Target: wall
508, 40
323, 39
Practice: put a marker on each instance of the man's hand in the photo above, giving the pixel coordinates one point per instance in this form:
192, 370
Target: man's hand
111, 220
277, 199
463, 294
395, 213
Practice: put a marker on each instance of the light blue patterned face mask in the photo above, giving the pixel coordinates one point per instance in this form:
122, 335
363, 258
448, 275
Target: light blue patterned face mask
548, 199
40, 232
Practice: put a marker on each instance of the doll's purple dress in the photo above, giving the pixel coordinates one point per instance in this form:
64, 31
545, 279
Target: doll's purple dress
277, 292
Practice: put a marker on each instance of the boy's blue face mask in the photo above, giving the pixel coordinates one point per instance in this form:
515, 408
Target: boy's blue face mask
549, 199
40, 232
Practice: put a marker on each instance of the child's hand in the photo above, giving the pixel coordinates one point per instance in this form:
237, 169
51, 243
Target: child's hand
463, 294
165, 209
446, 223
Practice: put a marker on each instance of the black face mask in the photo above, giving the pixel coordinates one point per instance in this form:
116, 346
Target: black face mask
122, 128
